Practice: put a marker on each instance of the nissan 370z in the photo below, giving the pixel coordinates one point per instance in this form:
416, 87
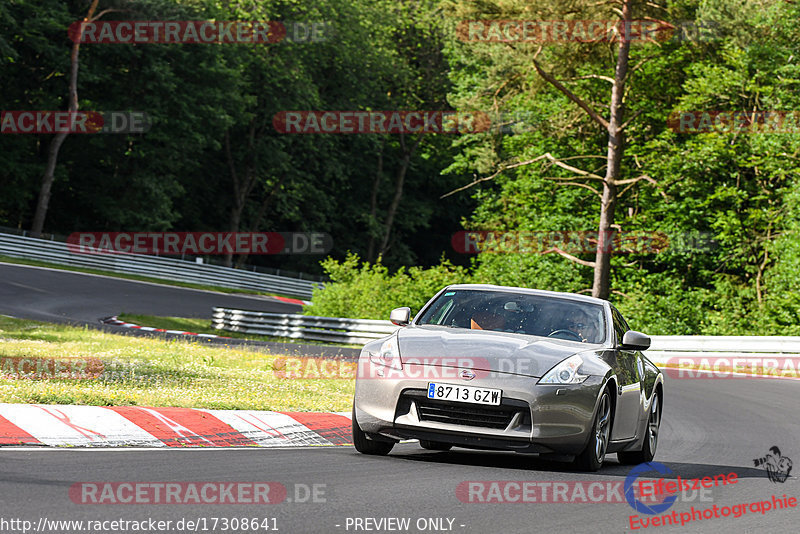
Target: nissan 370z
505, 368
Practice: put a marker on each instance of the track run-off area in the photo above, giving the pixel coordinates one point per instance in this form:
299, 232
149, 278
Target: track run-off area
710, 427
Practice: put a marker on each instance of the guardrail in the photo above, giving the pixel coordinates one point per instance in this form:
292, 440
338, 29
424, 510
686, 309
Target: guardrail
154, 267
662, 349
665, 349
308, 327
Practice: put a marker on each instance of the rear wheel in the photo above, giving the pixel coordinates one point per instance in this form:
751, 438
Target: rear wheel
591, 459
434, 445
648, 451
365, 445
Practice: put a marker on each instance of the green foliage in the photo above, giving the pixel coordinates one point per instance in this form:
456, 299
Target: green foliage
781, 307
212, 108
733, 188
368, 291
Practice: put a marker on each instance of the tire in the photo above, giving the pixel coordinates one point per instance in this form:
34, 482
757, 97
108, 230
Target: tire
591, 459
648, 451
434, 445
365, 445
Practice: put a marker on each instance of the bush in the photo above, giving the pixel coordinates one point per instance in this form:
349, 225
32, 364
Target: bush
367, 291
655, 303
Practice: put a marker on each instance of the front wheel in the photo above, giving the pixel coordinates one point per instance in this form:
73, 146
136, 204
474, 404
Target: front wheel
591, 459
648, 451
364, 445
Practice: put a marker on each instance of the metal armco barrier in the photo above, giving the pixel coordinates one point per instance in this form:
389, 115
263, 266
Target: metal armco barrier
301, 326
662, 349
155, 267
669, 348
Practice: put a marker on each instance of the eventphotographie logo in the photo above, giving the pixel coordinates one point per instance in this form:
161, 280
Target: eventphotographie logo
778, 466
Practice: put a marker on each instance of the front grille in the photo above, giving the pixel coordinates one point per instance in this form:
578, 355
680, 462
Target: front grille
459, 413
464, 414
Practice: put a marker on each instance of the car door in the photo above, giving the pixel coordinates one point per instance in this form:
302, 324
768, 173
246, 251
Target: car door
629, 385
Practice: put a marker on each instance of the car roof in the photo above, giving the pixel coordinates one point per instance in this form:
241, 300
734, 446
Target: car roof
528, 291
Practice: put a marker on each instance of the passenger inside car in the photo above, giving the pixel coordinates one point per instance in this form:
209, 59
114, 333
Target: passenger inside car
487, 321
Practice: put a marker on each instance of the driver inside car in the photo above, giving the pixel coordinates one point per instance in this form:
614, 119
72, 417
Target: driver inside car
583, 326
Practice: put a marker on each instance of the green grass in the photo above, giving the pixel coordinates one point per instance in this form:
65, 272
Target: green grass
163, 281
150, 372
203, 326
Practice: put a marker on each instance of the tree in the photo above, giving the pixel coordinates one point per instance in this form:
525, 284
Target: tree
58, 139
614, 125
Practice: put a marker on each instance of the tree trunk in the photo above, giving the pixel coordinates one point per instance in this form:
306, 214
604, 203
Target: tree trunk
55, 144
373, 206
233, 225
241, 188
616, 147
398, 191
47, 183
262, 210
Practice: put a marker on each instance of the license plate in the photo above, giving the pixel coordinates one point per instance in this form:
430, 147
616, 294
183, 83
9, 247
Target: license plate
452, 392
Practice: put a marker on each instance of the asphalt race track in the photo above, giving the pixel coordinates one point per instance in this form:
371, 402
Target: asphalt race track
58, 296
710, 427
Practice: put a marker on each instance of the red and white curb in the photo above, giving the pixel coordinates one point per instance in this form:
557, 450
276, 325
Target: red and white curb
114, 321
136, 426
292, 301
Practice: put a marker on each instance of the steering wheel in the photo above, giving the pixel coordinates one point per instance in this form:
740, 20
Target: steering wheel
569, 332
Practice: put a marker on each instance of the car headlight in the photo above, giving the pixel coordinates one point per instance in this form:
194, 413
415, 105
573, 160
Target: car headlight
389, 355
565, 372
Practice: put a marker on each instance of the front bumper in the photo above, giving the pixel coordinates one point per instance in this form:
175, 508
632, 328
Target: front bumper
533, 417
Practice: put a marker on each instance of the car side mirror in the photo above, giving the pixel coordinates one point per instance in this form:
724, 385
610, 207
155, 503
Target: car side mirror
633, 340
402, 316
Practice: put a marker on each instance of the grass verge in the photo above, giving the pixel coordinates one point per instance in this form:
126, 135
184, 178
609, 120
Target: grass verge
57, 364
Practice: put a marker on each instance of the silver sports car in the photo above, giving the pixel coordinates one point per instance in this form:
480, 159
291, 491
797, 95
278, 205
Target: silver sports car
507, 368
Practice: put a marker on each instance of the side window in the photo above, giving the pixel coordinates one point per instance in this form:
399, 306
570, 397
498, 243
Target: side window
439, 315
620, 326
624, 322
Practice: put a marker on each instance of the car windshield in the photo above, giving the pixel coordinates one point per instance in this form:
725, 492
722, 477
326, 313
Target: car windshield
520, 313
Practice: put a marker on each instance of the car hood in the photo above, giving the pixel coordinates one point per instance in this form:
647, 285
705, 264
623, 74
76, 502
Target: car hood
483, 350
